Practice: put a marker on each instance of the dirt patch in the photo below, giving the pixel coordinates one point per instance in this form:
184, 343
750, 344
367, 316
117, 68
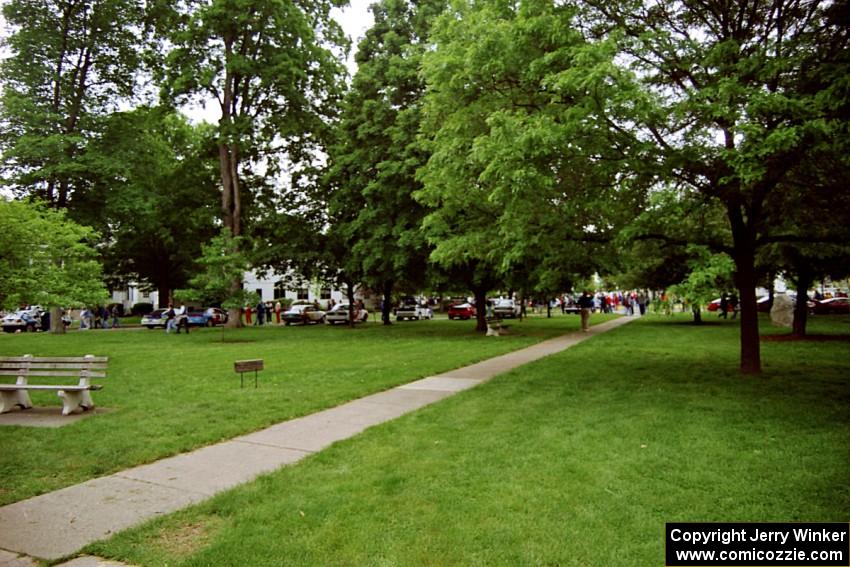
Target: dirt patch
184, 540
806, 338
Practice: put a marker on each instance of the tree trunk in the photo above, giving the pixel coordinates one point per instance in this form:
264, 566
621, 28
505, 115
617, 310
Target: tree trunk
744, 255
480, 310
745, 279
801, 309
697, 311
388, 303
57, 327
164, 292
234, 315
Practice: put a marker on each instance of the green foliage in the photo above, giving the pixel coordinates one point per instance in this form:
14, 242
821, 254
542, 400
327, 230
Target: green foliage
223, 261
525, 177
70, 64
710, 274
374, 220
156, 184
272, 66
46, 259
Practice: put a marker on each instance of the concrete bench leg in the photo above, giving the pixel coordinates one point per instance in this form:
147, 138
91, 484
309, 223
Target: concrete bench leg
9, 399
493, 331
75, 400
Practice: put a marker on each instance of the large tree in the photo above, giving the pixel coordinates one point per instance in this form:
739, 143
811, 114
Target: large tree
46, 259
372, 174
737, 94
71, 63
272, 68
153, 196
522, 173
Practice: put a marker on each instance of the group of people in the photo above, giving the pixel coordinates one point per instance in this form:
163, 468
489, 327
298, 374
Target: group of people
100, 317
262, 313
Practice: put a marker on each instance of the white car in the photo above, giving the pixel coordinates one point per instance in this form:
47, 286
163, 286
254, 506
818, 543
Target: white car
339, 314
27, 319
506, 309
413, 311
303, 314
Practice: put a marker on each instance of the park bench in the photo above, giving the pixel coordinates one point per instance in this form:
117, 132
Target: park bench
74, 396
495, 327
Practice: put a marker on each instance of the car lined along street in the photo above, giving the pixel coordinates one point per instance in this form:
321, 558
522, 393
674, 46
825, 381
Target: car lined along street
506, 309
413, 312
303, 314
23, 320
462, 311
339, 314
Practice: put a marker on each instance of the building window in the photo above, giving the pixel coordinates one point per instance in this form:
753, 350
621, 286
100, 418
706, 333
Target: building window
326, 293
303, 293
279, 290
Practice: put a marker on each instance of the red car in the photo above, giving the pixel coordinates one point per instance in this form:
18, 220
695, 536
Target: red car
831, 305
461, 311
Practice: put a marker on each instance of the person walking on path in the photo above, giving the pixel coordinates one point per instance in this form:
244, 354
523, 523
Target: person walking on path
585, 303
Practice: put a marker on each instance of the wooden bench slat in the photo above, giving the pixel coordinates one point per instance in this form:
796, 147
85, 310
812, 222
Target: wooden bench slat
42, 367
70, 387
53, 373
101, 359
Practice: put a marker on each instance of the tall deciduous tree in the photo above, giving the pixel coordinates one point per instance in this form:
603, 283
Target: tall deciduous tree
46, 259
154, 195
737, 96
271, 67
72, 61
373, 166
522, 172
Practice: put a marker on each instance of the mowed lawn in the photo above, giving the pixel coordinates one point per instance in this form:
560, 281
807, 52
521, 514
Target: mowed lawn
576, 459
167, 394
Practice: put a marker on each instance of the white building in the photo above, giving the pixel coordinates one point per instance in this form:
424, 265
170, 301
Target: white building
273, 287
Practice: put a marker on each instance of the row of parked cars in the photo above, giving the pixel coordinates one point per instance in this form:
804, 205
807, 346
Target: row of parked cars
832, 305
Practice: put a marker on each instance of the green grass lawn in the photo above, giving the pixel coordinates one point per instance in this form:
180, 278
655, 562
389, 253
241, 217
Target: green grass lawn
168, 394
577, 459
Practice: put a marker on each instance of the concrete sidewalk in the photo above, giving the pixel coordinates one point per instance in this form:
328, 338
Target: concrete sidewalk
57, 524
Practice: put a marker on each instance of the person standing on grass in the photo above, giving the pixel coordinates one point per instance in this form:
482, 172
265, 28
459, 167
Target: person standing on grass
277, 308
733, 303
170, 319
724, 306
114, 313
585, 303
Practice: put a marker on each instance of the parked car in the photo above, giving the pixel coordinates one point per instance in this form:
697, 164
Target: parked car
413, 311
339, 314
303, 314
26, 319
216, 316
715, 305
462, 311
506, 309
830, 306
154, 319
197, 317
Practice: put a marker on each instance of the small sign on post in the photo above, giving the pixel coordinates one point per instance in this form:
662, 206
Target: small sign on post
242, 366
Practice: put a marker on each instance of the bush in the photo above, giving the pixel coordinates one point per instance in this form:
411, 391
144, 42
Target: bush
141, 308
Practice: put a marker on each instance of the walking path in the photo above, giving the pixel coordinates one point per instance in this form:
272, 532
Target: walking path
59, 523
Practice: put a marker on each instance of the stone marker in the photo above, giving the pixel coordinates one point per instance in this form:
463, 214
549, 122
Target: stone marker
782, 312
